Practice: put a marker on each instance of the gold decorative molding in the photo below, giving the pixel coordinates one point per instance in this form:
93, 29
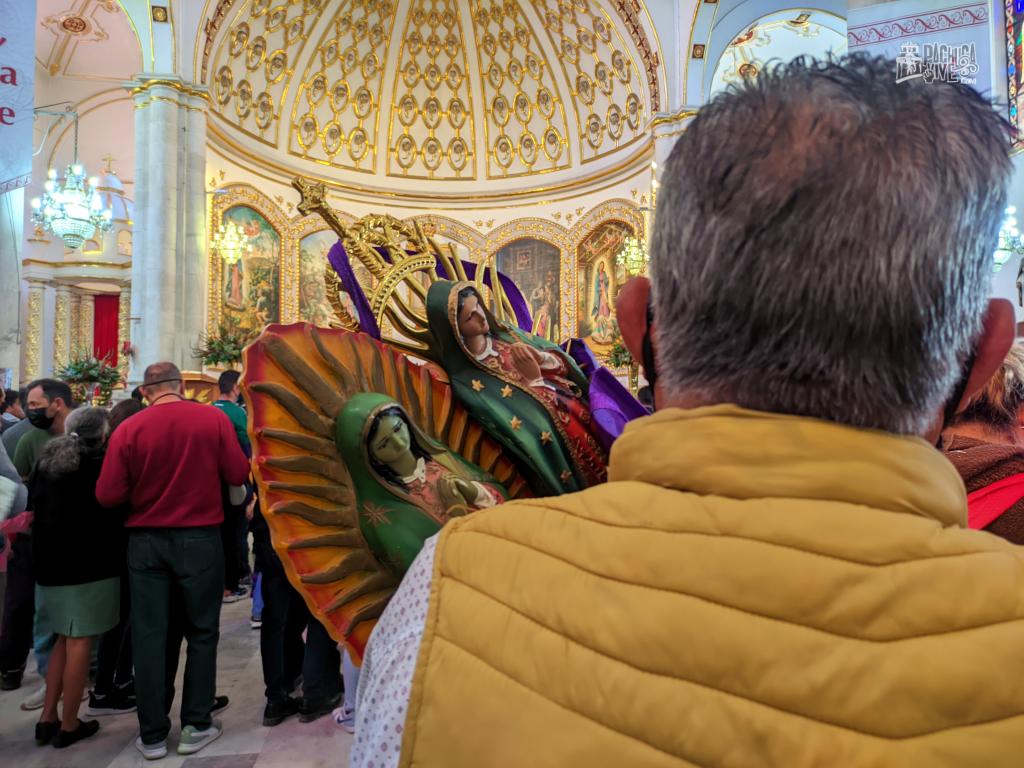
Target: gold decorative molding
33, 332
637, 162
673, 118
177, 85
77, 264
86, 323
62, 328
124, 311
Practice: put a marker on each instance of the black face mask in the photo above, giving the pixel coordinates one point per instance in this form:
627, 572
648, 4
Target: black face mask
37, 418
647, 352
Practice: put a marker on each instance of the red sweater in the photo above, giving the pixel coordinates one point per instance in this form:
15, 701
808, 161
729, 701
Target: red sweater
168, 462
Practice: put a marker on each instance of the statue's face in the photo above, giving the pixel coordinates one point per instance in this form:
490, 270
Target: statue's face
391, 440
472, 320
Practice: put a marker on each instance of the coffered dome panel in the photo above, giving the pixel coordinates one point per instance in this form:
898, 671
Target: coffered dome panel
446, 97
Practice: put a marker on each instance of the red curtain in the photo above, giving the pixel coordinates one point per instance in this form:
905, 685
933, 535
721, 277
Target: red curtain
104, 330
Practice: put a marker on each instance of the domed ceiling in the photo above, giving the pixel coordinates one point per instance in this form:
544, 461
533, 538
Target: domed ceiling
401, 95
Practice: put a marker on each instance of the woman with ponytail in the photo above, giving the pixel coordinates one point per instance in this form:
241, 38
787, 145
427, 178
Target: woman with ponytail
77, 564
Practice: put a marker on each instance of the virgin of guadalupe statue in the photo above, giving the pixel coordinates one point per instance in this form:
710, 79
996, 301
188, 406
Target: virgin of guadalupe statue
526, 391
406, 485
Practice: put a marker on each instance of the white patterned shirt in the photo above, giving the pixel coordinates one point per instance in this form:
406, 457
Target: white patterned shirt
385, 680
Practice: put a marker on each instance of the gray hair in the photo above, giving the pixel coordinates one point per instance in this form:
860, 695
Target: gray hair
823, 243
85, 434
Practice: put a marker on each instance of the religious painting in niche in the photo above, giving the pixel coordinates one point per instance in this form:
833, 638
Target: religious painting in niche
534, 266
314, 306
314, 270
252, 285
1015, 66
600, 277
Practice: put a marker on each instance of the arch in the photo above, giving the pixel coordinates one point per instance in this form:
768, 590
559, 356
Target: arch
245, 195
716, 25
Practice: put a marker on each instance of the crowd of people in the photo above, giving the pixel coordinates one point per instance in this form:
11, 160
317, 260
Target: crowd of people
128, 528
808, 555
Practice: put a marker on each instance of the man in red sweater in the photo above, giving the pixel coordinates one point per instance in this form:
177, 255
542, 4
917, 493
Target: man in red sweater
167, 464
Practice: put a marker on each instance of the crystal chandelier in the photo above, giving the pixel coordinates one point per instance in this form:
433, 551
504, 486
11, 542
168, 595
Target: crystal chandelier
71, 207
633, 256
1011, 242
229, 242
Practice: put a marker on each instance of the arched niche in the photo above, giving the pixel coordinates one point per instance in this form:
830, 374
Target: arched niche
255, 290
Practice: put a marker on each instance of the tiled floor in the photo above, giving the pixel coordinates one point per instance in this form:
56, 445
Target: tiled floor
245, 743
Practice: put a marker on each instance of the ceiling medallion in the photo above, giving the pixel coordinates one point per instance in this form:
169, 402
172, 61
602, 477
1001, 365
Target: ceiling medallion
74, 25
69, 23
358, 146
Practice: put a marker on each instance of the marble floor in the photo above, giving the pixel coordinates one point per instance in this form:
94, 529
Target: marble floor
245, 743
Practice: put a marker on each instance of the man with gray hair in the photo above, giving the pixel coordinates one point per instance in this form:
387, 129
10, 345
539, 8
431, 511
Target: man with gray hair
167, 464
778, 571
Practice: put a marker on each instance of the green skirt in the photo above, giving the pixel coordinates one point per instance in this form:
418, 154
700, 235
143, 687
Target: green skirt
83, 610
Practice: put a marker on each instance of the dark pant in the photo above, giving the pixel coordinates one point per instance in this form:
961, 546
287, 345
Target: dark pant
284, 617
321, 669
19, 606
114, 654
229, 546
169, 567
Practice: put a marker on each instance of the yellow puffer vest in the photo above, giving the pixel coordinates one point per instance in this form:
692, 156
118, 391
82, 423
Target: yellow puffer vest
748, 590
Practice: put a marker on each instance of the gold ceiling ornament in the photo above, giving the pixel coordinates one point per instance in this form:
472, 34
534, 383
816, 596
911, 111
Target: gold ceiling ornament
403, 262
430, 129
603, 75
525, 129
337, 107
255, 60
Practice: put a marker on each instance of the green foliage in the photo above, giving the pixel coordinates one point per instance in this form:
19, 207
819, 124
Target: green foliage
223, 348
86, 374
619, 356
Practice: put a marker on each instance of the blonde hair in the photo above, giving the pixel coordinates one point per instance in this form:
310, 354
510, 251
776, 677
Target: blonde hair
998, 405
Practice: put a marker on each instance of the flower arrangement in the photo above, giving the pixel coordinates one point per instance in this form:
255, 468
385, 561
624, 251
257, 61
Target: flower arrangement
223, 348
92, 379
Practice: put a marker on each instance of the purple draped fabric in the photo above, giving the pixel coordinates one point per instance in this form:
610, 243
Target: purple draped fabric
612, 406
339, 260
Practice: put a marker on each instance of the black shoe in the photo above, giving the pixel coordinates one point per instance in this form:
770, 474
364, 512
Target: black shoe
276, 712
314, 709
45, 732
85, 729
11, 681
220, 703
120, 702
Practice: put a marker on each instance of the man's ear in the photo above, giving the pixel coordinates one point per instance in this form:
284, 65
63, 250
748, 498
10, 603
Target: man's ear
998, 331
631, 311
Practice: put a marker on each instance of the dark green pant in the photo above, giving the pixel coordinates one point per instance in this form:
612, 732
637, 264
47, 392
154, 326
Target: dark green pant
175, 571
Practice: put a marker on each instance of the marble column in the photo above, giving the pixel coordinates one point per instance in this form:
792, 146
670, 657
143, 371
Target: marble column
32, 350
124, 311
62, 328
168, 297
86, 323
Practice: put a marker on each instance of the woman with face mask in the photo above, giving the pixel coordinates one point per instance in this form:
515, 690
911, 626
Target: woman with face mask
77, 564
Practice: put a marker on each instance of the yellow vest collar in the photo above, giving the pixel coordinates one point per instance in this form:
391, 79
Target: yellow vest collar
727, 451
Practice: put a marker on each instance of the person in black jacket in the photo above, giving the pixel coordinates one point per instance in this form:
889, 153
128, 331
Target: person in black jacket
76, 552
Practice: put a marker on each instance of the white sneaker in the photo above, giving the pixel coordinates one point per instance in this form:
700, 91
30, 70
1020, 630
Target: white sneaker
36, 700
346, 718
151, 751
192, 739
